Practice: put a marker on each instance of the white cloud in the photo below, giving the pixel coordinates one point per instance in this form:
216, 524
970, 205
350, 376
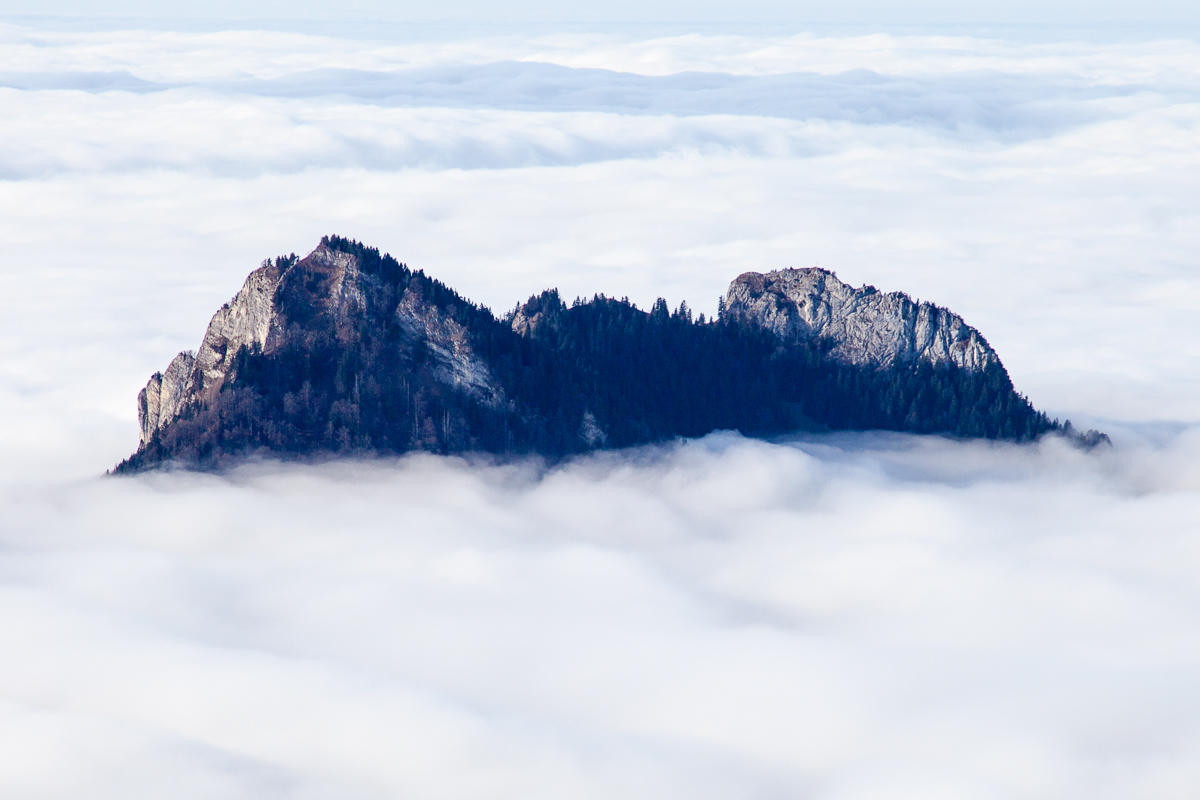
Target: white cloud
853, 616
1121, 54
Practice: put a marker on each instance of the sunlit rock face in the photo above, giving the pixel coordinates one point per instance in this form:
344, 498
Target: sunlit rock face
165, 394
327, 284
448, 345
863, 326
244, 321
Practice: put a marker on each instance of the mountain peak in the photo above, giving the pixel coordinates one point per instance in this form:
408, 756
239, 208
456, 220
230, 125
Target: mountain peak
862, 326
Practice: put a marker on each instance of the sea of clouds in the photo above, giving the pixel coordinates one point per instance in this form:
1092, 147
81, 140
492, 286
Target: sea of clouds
851, 616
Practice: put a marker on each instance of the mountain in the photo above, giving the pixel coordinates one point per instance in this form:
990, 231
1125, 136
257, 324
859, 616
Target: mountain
347, 351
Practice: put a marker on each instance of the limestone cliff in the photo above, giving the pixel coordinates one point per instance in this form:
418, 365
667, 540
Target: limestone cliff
863, 326
165, 395
287, 292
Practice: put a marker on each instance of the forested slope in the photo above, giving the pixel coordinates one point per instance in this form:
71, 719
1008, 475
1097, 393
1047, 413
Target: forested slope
364, 355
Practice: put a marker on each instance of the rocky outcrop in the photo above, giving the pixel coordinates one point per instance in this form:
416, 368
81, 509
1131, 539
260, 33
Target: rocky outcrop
863, 326
242, 322
291, 291
166, 394
528, 318
448, 343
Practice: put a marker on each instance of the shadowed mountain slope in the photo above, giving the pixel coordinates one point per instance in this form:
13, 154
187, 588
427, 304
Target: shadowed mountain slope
347, 351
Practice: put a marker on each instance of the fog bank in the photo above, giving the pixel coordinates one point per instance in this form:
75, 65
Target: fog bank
847, 616
842, 617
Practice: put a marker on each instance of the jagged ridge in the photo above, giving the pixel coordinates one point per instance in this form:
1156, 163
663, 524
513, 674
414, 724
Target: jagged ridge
864, 326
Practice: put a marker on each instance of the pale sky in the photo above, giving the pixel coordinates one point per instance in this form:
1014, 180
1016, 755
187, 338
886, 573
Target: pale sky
1059, 12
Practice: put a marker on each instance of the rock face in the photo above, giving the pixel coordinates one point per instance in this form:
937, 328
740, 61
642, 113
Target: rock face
448, 342
286, 293
863, 326
244, 321
165, 394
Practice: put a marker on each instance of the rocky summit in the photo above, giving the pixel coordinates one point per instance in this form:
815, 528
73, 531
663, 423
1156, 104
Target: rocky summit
327, 284
864, 326
348, 351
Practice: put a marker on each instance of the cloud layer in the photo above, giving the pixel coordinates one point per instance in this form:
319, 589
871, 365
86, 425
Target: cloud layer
980, 104
855, 616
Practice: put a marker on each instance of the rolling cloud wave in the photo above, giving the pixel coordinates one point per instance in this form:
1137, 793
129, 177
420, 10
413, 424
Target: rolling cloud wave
836, 617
